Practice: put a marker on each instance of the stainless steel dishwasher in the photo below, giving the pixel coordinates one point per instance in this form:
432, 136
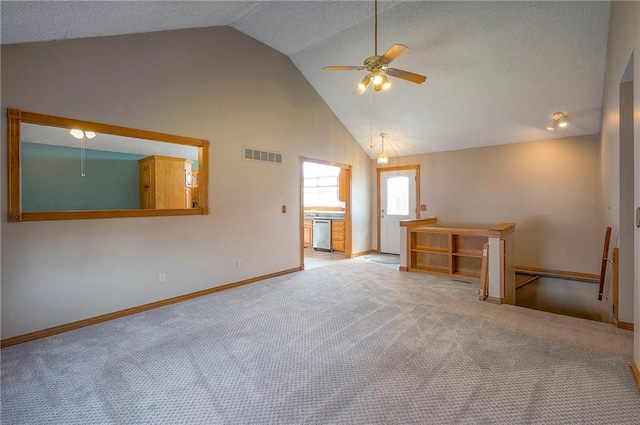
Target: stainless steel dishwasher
322, 234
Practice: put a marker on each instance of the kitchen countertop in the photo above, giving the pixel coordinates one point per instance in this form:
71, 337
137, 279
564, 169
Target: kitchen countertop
324, 216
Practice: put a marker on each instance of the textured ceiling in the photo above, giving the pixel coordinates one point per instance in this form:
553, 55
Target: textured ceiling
496, 70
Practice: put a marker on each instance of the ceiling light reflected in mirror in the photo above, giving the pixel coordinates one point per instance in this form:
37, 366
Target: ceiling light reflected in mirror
79, 134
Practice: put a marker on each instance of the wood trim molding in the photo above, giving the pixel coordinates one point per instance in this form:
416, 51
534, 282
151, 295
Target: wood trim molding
403, 269
322, 161
525, 282
503, 270
493, 300
560, 274
636, 372
451, 230
203, 175
625, 325
301, 212
14, 117
361, 253
348, 233
615, 283
84, 215
419, 222
484, 274
501, 230
134, 310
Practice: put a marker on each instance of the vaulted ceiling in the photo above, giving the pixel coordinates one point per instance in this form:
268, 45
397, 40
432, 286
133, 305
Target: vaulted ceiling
496, 70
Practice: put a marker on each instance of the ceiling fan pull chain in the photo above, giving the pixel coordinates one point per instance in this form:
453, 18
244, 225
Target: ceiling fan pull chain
371, 119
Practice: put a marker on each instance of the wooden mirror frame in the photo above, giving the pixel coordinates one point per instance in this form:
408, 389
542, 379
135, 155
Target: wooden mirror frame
15, 214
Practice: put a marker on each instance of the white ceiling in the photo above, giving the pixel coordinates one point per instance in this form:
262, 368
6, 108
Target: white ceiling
496, 70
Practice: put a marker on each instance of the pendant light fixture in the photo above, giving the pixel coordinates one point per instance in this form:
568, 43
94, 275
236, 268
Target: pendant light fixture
383, 157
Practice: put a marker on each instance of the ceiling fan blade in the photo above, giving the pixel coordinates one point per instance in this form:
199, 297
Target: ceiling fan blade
343, 68
406, 75
391, 54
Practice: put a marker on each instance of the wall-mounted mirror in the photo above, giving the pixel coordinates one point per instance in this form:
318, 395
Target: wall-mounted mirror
63, 169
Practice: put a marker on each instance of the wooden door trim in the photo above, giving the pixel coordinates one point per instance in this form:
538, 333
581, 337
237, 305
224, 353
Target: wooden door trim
380, 170
347, 205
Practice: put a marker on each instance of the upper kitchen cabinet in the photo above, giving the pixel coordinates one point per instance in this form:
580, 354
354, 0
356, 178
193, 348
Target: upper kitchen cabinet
343, 182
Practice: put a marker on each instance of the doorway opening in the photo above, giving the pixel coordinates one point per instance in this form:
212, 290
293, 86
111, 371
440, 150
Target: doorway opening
325, 212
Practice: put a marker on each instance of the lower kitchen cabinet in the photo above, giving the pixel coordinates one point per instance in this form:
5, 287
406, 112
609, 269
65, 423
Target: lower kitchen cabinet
337, 235
307, 233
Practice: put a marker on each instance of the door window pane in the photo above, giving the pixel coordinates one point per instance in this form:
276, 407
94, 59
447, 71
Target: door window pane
398, 195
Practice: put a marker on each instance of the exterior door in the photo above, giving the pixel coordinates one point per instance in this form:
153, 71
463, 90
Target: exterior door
397, 202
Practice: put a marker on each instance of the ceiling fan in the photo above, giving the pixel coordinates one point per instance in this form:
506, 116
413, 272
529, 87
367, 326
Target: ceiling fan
378, 66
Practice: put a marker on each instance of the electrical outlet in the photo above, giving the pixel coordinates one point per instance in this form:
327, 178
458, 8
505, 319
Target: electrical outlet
162, 278
240, 264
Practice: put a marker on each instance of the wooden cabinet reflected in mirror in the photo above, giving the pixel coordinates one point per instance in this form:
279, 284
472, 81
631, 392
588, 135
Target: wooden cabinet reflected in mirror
166, 182
98, 170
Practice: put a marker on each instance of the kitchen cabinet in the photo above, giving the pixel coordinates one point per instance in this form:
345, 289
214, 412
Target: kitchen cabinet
337, 235
307, 233
163, 182
343, 183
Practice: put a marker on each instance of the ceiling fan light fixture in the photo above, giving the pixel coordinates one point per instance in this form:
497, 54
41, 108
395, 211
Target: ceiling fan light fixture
378, 66
562, 121
386, 84
558, 119
362, 85
378, 78
380, 81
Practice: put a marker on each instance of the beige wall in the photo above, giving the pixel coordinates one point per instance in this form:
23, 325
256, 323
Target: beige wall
210, 83
624, 39
549, 188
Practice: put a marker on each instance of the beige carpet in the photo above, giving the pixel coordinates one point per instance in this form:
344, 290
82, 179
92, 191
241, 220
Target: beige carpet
384, 258
354, 342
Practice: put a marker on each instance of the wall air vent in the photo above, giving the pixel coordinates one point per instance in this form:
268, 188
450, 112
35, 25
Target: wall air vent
260, 155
